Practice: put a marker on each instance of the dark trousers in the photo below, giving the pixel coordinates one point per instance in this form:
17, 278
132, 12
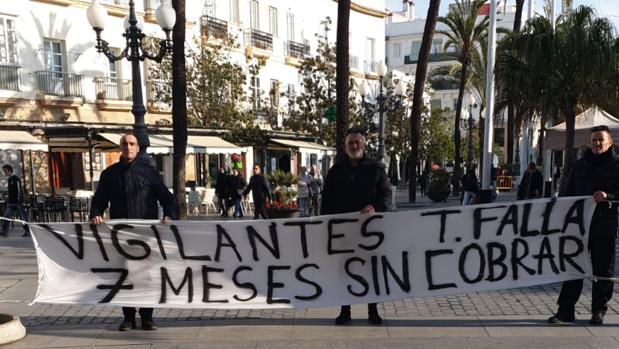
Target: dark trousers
145, 313
371, 307
13, 210
602, 249
259, 210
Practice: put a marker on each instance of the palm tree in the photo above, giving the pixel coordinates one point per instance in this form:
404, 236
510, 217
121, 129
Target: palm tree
179, 108
342, 77
464, 35
420, 79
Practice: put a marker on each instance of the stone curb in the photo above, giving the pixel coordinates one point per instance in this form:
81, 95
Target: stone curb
11, 329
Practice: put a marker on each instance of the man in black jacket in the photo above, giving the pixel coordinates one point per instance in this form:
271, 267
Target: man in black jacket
260, 192
14, 202
532, 184
596, 174
132, 187
356, 184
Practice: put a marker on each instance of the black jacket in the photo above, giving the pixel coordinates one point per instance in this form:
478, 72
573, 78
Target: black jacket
221, 187
350, 188
16, 191
469, 182
594, 173
531, 185
132, 191
259, 188
236, 186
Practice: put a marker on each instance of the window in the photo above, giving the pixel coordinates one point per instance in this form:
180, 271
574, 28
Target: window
209, 8
415, 47
113, 67
273, 21
255, 91
437, 46
396, 49
274, 93
370, 54
52, 53
455, 103
290, 26
253, 15
291, 90
435, 103
234, 11
8, 41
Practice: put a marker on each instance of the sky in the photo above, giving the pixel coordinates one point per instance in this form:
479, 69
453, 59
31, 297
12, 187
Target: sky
606, 8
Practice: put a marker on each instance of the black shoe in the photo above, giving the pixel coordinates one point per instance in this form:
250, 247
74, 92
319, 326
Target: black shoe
26, 234
148, 325
127, 325
597, 318
560, 318
3, 234
374, 318
343, 318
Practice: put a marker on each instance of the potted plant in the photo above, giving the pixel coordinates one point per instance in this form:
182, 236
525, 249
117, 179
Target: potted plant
438, 185
283, 202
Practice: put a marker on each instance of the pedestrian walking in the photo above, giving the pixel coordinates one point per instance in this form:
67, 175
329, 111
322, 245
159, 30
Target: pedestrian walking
595, 174
304, 192
470, 186
14, 202
132, 187
423, 182
315, 190
356, 184
237, 185
222, 192
260, 192
532, 184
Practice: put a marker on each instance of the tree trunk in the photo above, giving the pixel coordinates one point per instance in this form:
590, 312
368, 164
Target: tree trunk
420, 80
179, 108
510, 108
481, 134
570, 123
455, 180
342, 77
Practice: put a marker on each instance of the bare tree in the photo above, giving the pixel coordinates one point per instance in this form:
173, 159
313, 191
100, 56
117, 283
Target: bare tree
342, 77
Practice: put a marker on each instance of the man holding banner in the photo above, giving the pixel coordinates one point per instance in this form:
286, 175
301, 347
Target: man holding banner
597, 174
353, 185
132, 187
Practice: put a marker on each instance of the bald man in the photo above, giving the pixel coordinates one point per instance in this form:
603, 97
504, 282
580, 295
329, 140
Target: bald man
132, 187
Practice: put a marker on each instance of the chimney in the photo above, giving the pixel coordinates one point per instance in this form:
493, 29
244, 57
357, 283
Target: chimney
408, 9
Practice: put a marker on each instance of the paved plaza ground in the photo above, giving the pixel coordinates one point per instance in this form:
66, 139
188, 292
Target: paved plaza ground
503, 319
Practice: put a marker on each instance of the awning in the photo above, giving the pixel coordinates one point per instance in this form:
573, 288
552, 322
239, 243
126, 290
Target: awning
20, 140
164, 144
302, 144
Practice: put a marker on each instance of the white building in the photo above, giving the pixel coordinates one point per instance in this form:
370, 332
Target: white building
53, 81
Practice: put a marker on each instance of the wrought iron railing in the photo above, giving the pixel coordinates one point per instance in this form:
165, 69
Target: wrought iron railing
59, 83
121, 3
434, 57
113, 88
371, 66
151, 4
259, 39
214, 27
295, 49
353, 61
9, 77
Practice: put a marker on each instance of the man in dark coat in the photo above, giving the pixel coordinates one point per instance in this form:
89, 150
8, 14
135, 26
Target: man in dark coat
596, 174
132, 187
14, 202
356, 184
532, 184
260, 192
222, 191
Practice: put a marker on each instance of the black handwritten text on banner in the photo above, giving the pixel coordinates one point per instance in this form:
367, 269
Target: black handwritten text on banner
314, 262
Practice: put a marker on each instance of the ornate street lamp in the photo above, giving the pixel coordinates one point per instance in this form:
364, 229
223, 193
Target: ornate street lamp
134, 52
469, 147
381, 106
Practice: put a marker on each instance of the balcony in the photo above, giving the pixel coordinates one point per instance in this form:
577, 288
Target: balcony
59, 84
119, 3
151, 5
9, 77
434, 57
259, 39
113, 88
296, 50
214, 27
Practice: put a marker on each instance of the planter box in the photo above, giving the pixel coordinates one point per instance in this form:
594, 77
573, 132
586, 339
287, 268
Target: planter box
438, 196
274, 213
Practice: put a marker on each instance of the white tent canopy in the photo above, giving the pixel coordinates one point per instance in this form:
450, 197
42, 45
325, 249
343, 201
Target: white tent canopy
20, 140
594, 116
164, 144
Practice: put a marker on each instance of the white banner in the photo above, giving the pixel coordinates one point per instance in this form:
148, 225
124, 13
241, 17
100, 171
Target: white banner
317, 261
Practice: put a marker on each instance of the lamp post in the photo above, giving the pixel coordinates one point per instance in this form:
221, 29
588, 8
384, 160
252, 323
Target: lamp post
381, 106
469, 147
134, 52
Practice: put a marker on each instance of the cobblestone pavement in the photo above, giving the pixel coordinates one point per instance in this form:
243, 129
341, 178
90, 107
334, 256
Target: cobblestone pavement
18, 285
